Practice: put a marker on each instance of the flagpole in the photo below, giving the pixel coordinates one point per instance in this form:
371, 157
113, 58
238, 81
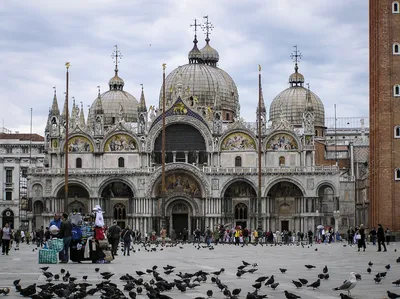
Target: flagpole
67, 65
259, 149
163, 150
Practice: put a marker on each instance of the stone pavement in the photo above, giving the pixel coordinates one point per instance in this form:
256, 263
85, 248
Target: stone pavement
340, 261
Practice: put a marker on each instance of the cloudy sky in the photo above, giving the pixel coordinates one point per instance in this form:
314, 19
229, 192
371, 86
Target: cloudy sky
38, 37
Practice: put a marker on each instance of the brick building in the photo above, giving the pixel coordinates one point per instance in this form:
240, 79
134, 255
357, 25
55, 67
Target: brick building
384, 163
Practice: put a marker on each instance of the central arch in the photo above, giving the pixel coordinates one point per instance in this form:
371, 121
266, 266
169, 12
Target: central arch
283, 197
183, 143
180, 212
78, 196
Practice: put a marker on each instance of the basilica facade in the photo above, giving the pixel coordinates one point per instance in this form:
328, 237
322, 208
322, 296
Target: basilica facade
211, 174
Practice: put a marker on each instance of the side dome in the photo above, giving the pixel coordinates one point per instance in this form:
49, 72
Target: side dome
116, 104
211, 85
291, 104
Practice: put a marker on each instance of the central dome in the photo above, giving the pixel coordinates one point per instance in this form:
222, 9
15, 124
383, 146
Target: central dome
212, 86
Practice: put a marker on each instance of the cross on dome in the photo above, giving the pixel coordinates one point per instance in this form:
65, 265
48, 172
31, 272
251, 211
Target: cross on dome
207, 27
116, 56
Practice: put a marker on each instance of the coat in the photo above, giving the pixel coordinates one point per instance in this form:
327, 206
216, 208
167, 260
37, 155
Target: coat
381, 234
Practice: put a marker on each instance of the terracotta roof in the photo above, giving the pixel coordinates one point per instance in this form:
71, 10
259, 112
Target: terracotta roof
22, 137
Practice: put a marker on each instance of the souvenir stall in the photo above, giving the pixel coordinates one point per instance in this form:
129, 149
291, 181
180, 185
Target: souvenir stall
88, 238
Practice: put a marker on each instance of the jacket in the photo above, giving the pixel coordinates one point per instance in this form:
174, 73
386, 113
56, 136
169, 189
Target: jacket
381, 234
65, 229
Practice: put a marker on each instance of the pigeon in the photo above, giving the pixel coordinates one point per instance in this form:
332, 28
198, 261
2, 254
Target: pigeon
392, 295
95, 269
370, 263
309, 266
377, 279
291, 295
398, 260
297, 283
257, 285
44, 268
282, 270
369, 270
262, 279
245, 263
140, 273
344, 296
209, 293
397, 282
348, 284
274, 285
236, 292
326, 276
315, 285
325, 270
303, 281
270, 281
5, 291
387, 266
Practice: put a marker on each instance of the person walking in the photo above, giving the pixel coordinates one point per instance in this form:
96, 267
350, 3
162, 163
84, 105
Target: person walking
65, 234
381, 238
373, 236
361, 240
163, 235
127, 235
40, 237
388, 234
5, 238
113, 235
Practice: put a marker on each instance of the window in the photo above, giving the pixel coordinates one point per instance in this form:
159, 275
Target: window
113, 120
9, 176
396, 90
397, 132
121, 162
25, 150
78, 163
281, 161
8, 195
316, 132
395, 7
396, 49
397, 174
227, 116
241, 211
9, 150
238, 161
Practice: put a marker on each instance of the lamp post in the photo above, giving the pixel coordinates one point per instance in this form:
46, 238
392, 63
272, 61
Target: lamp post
67, 65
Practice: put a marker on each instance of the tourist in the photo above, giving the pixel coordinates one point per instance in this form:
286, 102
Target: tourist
17, 238
208, 236
361, 238
5, 238
184, 235
381, 238
255, 236
372, 234
127, 235
388, 234
197, 234
310, 236
39, 237
245, 236
163, 235
65, 234
113, 236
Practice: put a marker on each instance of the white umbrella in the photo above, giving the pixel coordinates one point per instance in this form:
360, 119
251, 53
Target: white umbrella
320, 226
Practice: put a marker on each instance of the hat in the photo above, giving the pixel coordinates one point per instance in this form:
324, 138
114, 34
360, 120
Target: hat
115, 222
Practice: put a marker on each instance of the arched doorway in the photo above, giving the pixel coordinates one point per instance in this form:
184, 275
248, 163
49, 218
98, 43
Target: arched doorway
179, 219
328, 204
240, 199
190, 149
76, 206
117, 190
119, 214
283, 197
38, 209
8, 217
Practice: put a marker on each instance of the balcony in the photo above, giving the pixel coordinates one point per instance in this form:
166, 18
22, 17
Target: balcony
271, 170
90, 171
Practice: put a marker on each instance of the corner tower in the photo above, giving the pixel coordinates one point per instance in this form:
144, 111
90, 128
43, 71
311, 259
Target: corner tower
384, 74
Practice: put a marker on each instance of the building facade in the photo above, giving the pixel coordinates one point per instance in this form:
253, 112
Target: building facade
18, 152
384, 164
211, 157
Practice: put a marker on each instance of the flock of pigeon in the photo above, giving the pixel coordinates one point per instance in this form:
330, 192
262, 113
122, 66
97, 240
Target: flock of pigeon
158, 282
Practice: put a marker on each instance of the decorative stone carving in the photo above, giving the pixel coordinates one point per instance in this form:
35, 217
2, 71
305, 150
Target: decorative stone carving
310, 184
49, 185
180, 208
37, 190
215, 184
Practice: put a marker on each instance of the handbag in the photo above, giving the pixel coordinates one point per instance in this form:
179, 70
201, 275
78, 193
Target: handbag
358, 237
48, 256
103, 244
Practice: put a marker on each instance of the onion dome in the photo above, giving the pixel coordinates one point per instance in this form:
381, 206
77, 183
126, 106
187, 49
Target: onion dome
291, 103
195, 55
209, 55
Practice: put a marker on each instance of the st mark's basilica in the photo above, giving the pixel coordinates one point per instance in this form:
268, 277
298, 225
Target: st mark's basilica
211, 156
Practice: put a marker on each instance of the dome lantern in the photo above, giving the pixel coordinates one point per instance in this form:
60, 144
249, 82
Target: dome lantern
116, 83
296, 79
195, 55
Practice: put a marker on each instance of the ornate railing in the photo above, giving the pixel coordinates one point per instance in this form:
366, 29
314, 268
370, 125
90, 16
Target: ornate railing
254, 170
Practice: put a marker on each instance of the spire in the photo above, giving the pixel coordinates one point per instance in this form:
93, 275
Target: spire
64, 112
98, 105
116, 83
262, 103
142, 103
54, 106
82, 117
296, 79
73, 112
195, 54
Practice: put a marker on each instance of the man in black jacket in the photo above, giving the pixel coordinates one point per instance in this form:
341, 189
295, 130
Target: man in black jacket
66, 235
381, 238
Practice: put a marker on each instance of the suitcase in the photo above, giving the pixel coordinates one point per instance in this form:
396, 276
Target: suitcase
48, 256
56, 244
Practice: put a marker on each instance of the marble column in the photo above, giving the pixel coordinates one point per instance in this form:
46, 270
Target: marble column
186, 157
174, 156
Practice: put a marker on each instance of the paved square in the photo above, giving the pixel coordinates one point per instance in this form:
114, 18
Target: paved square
340, 261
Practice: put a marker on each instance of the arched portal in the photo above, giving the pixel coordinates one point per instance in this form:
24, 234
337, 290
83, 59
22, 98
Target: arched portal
117, 189
119, 214
183, 143
8, 217
240, 199
329, 203
282, 196
180, 217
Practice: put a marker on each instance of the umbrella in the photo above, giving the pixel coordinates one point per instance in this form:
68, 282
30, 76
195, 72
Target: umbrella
320, 226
